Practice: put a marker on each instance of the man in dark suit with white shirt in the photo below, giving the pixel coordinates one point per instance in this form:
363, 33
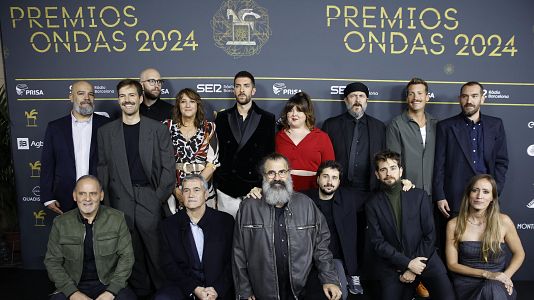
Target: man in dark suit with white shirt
70, 149
196, 247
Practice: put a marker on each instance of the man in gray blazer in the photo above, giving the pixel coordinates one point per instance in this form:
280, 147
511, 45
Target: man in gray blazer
136, 167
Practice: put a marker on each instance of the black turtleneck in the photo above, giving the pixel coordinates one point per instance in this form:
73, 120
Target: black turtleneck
393, 193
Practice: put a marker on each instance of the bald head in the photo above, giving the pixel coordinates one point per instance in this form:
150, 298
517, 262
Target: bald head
82, 96
149, 73
149, 78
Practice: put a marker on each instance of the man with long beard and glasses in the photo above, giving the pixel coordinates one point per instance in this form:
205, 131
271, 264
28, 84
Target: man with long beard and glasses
278, 238
69, 150
246, 135
401, 234
136, 168
467, 144
152, 106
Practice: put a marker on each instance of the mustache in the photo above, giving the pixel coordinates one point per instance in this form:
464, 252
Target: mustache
128, 103
279, 182
328, 185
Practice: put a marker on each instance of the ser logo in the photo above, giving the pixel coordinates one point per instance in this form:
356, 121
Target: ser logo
23, 90
209, 88
339, 89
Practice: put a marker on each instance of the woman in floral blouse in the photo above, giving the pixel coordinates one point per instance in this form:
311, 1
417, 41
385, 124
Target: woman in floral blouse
196, 148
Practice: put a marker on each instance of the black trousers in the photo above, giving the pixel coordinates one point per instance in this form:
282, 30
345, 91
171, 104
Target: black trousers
439, 287
146, 276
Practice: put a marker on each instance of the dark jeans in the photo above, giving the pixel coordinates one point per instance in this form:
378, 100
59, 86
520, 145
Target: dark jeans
94, 288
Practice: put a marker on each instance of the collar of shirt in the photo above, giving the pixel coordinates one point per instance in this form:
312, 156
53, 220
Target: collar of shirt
84, 220
75, 121
351, 118
471, 122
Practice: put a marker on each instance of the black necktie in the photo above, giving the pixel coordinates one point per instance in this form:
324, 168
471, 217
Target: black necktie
353, 148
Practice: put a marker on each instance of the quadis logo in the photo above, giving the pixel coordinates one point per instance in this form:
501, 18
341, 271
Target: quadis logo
241, 27
23, 90
531, 204
36, 195
31, 118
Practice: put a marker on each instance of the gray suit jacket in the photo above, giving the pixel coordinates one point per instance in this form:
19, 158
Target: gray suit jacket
155, 149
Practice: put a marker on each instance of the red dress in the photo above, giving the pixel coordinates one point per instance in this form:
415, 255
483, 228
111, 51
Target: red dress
314, 149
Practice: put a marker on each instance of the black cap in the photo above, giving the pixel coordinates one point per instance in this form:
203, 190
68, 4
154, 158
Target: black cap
356, 87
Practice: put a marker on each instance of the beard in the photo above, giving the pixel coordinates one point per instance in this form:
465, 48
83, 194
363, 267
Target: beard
152, 95
277, 192
243, 101
84, 110
359, 113
470, 110
325, 192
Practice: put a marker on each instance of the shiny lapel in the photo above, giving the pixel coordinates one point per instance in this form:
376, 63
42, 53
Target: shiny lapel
232, 122
251, 128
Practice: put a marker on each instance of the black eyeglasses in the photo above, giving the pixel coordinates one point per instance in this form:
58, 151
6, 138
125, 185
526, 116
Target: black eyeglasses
153, 82
272, 174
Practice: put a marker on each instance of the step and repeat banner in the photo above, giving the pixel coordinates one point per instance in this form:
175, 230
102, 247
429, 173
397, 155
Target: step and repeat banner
290, 46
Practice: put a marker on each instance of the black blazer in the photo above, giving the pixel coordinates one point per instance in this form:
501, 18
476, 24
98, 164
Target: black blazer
453, 167
341, 137
393, 252
347, 202
58, 165
240, 155
177, 252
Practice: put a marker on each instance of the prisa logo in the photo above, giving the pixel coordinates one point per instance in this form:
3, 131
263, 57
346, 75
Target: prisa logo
23, 90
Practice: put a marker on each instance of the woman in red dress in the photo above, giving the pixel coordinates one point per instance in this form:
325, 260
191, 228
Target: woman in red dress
304, 145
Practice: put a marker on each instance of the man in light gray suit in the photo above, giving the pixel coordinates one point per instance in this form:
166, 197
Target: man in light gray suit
136, 167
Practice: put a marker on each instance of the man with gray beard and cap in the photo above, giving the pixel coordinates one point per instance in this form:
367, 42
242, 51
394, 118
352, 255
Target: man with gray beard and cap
356, 138
70, 150
277, 238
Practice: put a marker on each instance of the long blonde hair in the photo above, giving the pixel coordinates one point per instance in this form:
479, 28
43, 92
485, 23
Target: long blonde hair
492, 235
